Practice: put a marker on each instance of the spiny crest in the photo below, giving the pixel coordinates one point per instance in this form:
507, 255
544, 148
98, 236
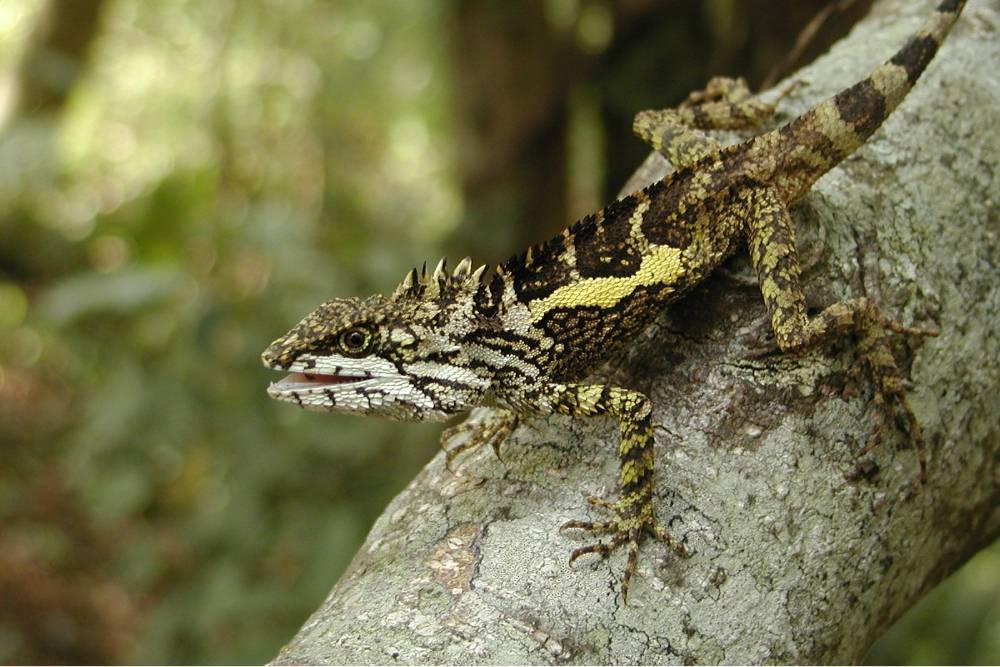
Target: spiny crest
440, 282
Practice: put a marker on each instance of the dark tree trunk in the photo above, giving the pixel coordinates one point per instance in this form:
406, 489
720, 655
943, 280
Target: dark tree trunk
57, 55
512, 81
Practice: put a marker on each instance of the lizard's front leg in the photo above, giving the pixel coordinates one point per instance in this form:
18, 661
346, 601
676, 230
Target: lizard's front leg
632, 512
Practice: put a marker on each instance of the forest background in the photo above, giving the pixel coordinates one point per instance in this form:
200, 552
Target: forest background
181, 181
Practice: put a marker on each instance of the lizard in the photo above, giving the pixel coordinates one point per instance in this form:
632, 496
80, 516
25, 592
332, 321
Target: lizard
525, 338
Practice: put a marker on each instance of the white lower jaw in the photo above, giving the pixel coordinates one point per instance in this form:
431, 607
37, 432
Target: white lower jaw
286, 390
340, 397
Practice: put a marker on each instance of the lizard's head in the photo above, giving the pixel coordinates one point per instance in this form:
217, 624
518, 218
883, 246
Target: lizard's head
399, 357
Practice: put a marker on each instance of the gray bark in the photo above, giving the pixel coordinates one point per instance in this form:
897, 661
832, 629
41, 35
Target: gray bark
806, 549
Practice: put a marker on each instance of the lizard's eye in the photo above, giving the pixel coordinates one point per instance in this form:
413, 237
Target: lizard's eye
355, 341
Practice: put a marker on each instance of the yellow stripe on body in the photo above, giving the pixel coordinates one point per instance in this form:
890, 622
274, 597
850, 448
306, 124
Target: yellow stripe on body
662, 265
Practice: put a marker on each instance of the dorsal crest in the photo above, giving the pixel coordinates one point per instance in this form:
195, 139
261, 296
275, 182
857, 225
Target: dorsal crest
440, 282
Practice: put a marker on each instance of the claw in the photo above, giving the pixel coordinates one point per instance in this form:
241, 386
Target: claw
451, 454
633, 559
627, 527
592, 526
787, 90
678, 547
599, 548
492, 430
447, 435
896, 327
601, 502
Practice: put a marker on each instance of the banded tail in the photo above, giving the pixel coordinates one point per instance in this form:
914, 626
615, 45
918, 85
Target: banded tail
838, 126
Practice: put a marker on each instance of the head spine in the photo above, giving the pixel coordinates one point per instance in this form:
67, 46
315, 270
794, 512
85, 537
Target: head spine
440, 282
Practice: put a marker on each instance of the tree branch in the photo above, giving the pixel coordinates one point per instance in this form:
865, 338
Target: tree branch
806, 549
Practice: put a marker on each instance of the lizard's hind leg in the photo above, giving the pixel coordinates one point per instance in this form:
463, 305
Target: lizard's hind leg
679, 134
771, 242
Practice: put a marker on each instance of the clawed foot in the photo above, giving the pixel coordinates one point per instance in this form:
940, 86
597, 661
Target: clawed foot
726, 104
875, 361
492, 430
720, 89
626, 528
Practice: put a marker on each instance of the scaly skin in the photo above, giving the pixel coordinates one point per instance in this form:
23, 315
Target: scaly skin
525, 339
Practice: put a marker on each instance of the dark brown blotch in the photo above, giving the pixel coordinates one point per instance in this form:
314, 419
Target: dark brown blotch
543, 275
487, 298
638, 485
634, 453
862, 106
700, 119
661, 224
605, 248
915, 56
817, 141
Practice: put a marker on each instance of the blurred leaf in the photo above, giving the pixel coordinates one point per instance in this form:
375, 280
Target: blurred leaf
123, 292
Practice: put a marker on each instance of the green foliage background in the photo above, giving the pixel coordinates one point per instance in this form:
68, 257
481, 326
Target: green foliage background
219, 169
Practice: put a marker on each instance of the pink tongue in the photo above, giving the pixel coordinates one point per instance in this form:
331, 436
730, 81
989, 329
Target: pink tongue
319, 378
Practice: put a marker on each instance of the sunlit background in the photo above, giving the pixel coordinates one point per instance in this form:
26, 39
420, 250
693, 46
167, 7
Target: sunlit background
181, 181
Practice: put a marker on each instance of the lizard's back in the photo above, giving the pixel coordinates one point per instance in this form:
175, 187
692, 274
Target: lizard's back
605, 278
